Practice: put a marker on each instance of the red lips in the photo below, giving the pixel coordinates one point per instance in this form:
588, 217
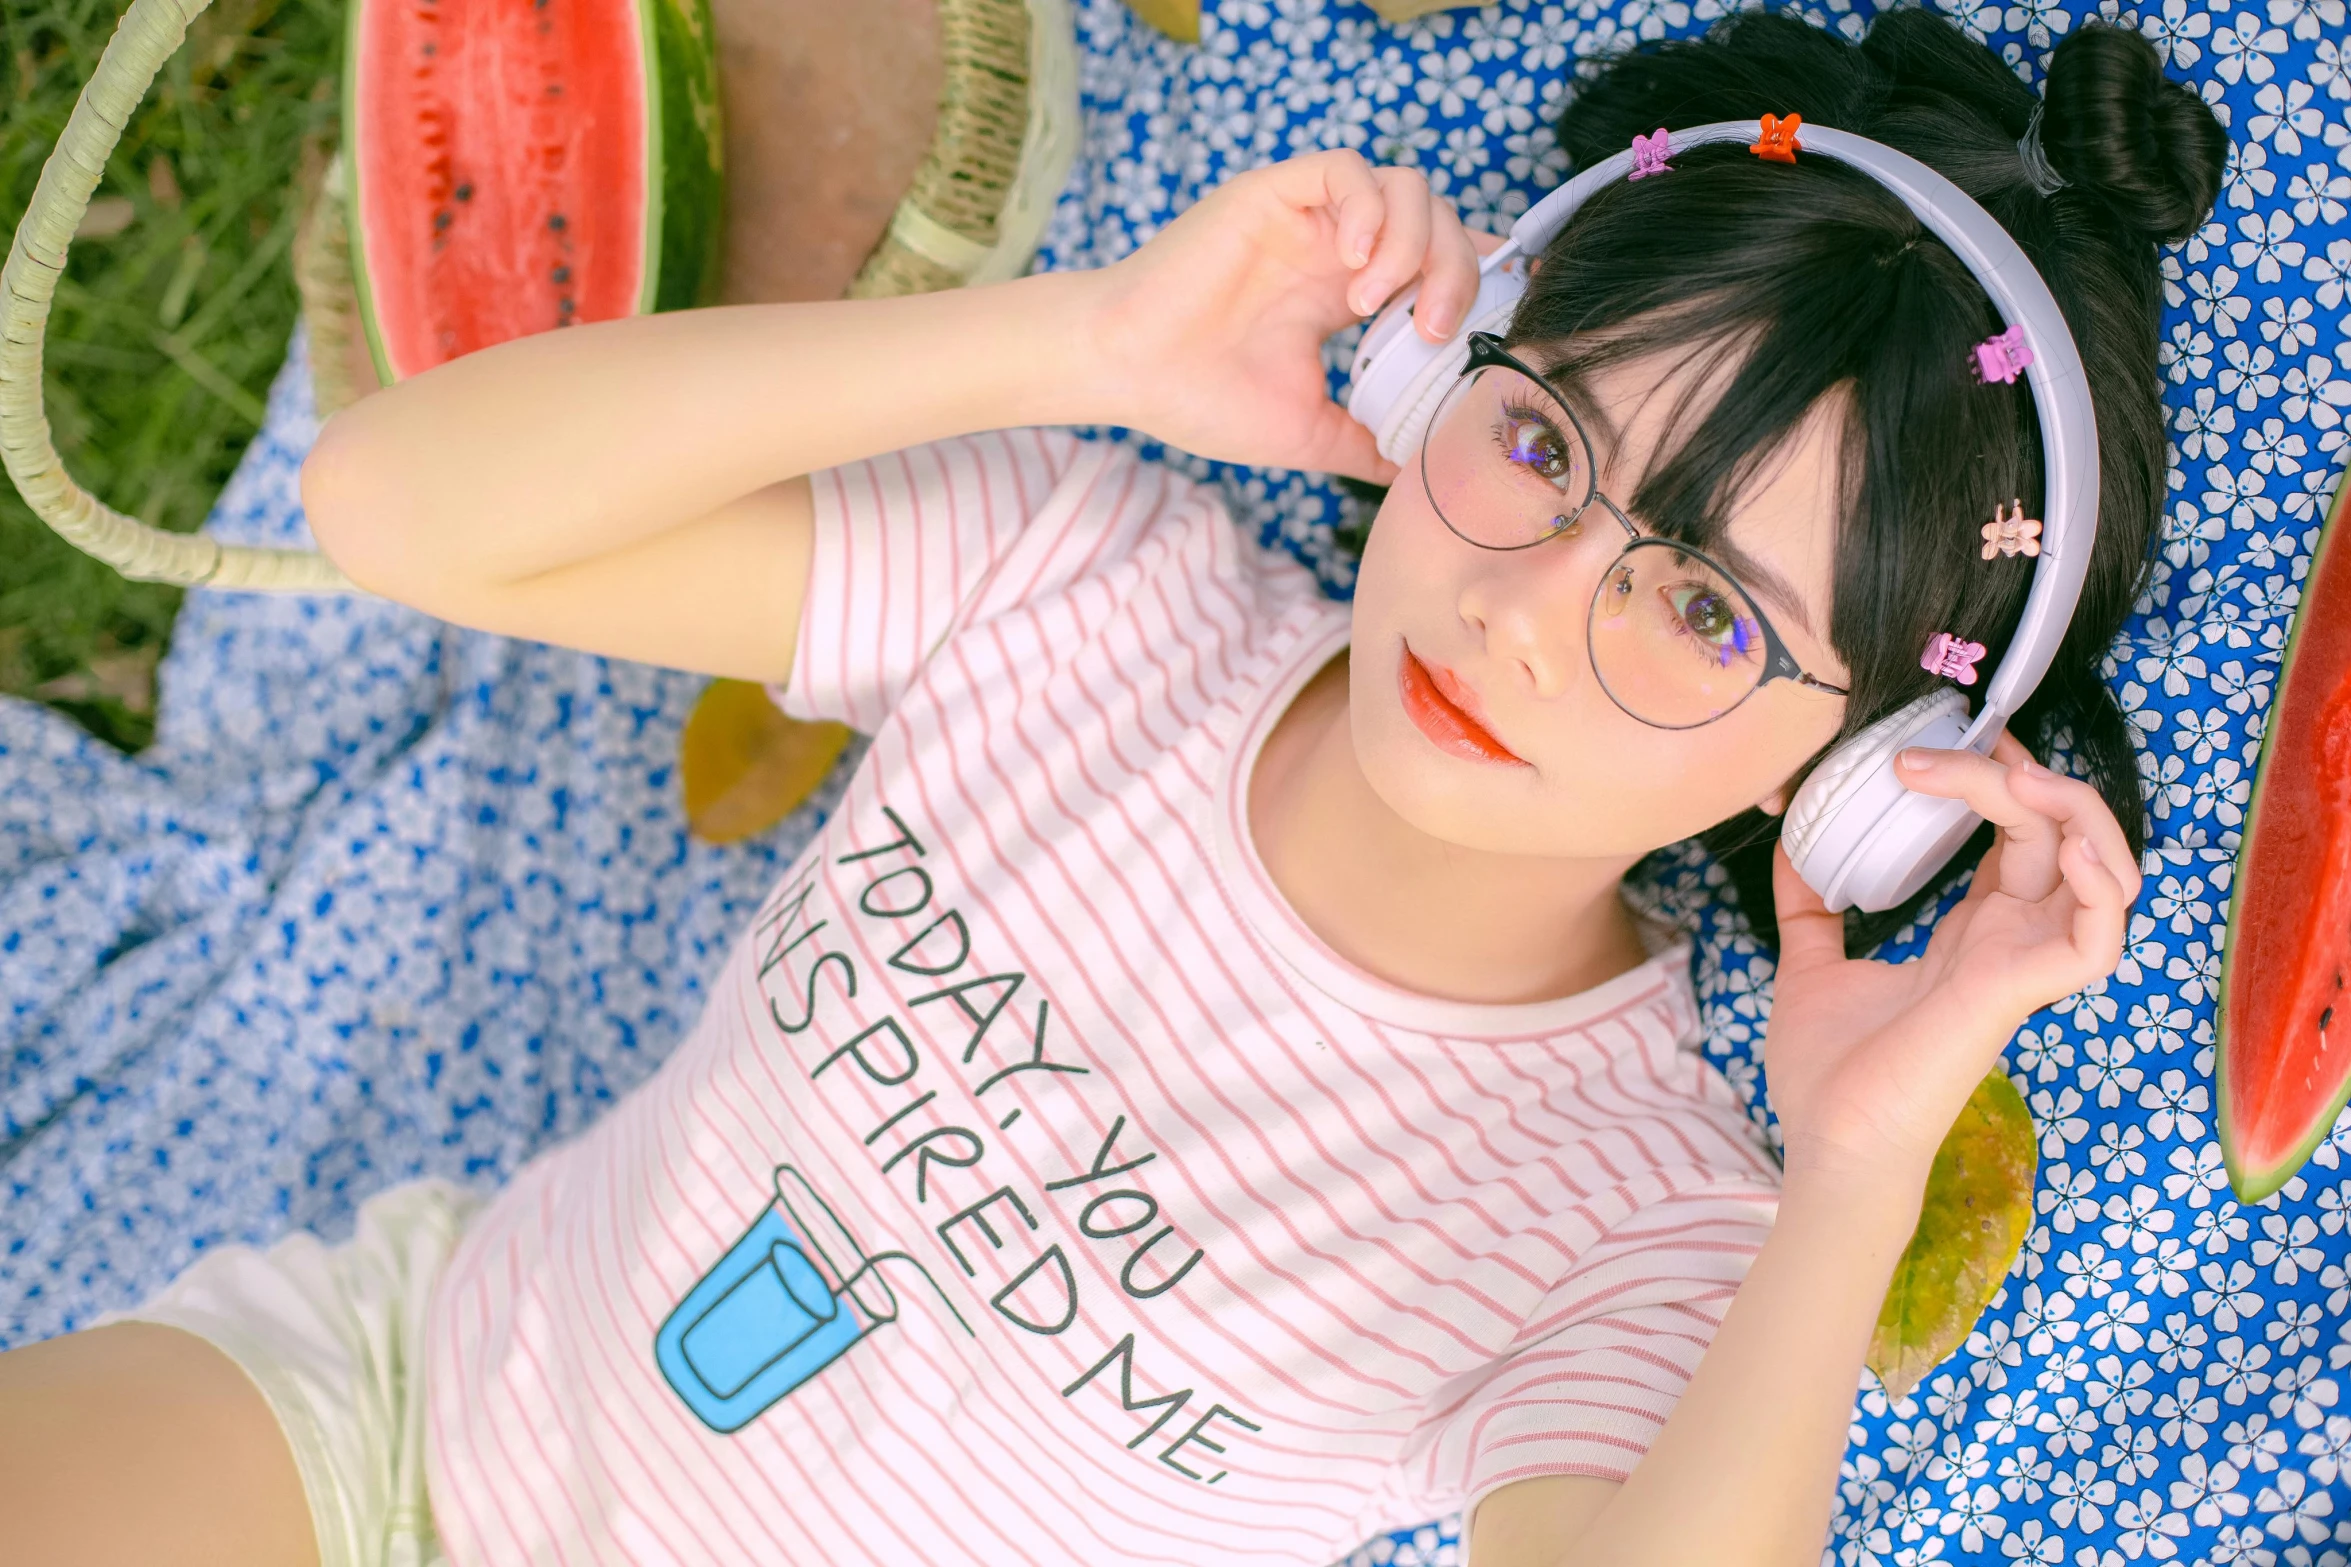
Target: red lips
1440, 707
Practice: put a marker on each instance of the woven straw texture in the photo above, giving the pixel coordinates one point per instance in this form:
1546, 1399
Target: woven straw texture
149, 34
946, 232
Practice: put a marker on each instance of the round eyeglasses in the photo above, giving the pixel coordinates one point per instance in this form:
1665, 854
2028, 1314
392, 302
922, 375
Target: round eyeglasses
1674, 639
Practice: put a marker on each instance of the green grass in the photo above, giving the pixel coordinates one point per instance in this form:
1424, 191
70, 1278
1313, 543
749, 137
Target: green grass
165, 334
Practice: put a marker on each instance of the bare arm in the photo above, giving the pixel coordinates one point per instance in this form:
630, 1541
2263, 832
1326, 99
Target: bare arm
1869, 1063
1745, 1468
638, 487
628, 488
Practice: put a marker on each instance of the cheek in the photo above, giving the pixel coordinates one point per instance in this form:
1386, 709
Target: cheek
1405, 560
1605, 783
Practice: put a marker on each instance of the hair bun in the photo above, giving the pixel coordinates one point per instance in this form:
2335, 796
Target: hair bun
2116, 126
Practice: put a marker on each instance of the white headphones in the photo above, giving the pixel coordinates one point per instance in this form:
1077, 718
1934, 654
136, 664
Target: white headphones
1853, 831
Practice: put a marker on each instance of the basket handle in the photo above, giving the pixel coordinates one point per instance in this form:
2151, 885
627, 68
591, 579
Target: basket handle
149, 34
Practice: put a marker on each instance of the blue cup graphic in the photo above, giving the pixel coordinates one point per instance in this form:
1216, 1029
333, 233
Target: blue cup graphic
779, 1307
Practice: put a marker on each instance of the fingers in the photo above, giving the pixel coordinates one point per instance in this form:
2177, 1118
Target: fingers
2036, 810
2080, 933
1403, 243
1449, 274
1809, 931
1390, 229
1343, 184
2105, 899
1979, 887
2028, 862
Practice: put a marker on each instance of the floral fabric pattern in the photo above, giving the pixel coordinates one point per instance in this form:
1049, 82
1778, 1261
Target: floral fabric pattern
2162, 1375
388, 898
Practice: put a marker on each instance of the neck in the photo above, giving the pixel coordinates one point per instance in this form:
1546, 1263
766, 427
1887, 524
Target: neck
1513, 928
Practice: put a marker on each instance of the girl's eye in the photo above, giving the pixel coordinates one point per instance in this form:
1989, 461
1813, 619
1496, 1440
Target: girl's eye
1534, 443
1717, 631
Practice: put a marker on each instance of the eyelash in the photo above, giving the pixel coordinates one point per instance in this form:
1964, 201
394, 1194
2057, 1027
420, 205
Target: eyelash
1523, 412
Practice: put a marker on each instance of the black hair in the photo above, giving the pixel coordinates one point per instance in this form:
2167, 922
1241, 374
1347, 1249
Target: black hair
1812, 282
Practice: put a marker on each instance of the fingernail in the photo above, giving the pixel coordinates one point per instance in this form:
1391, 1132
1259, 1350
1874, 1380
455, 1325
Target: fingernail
2090, 852
1916, 759
2031, 766
1360, 251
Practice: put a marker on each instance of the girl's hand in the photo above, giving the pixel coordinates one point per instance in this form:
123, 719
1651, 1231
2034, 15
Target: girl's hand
1869, 1064
1210, 337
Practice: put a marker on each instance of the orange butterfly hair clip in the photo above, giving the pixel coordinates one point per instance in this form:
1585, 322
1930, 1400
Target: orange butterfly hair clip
1779, 143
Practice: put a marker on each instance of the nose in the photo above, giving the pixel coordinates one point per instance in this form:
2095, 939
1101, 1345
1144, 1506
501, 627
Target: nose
1528, 606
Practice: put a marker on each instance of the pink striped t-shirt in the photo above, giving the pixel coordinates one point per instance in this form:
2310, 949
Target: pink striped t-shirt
1035, 1187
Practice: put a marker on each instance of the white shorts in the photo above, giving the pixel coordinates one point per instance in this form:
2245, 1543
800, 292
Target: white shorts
334, 1338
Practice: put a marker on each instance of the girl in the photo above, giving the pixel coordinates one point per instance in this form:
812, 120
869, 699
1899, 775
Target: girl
1203, 1095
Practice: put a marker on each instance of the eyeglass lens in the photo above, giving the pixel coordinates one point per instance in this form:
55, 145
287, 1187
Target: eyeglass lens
1674, 642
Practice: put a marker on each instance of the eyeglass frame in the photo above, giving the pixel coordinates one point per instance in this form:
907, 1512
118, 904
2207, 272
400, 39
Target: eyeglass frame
1485, 353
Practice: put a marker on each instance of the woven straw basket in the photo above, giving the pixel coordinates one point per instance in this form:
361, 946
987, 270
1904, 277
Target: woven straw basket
1007, 131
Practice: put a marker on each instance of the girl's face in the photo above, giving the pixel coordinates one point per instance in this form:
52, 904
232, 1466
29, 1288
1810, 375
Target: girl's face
1500, 638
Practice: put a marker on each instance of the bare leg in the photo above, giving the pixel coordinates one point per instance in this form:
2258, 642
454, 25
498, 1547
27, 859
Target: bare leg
139, 1444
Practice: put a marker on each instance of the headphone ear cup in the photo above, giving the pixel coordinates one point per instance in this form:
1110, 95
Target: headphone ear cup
1399, 377
1400, 435
1855, 833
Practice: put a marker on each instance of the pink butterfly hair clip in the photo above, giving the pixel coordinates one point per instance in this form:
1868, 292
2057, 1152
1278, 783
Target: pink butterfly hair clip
1952, 658
2001, 357
1779, 143
2011, 532
1649, 155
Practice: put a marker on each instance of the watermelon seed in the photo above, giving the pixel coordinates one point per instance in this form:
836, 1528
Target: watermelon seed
556, 222
465, 191
561, 274
431, 49
2326, 1020
441, 220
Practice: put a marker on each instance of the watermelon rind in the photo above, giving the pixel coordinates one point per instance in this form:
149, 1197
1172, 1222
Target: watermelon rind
685, 206
352, 14
2253, 1183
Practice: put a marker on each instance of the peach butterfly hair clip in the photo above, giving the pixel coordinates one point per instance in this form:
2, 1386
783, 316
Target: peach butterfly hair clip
2011, 532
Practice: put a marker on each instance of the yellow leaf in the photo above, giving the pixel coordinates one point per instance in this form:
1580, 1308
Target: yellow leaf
1179, 19
1979, 1204
1406, 10
746, 766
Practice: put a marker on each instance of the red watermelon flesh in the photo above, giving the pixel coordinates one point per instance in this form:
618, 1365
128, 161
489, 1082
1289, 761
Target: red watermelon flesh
2283, 1061
507, 159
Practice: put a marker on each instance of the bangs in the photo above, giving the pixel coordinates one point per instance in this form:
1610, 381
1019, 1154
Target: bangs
1706, 459
1770, 297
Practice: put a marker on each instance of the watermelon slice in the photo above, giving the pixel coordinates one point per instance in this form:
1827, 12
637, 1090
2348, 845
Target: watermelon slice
519, 165
2284, 1031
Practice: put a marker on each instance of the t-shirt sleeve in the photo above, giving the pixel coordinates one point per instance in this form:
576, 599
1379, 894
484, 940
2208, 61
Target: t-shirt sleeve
1602, 1362
902, 542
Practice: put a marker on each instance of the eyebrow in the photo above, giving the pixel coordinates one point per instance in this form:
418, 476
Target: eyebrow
1763, 579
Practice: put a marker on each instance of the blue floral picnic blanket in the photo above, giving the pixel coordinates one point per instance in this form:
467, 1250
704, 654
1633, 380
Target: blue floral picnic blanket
388, 898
